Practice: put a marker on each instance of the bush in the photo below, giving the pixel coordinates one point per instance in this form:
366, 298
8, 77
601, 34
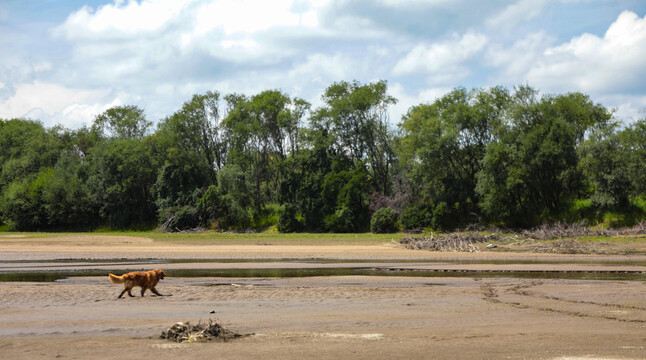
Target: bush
415, 217
341, 221
222, 211
384, 221
178, 218
287, 221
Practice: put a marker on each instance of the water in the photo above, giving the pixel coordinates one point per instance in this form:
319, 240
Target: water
53, 275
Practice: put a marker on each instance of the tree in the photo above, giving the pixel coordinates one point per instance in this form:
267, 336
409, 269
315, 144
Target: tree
442, 147
530, 171
124, 122
25, 147
263, 132
357, 115
632, 142
195, 129
122, 173
604, 165
65, 197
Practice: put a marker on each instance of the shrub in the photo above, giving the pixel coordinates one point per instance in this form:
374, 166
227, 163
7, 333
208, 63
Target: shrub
415, 217
341, 221
384, 221
287, 221
178, 218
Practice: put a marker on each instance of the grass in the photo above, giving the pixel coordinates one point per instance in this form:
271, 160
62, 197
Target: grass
278, 238
613, 239
225, 238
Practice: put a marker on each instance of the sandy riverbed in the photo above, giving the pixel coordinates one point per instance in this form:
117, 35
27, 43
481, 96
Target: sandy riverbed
333, 317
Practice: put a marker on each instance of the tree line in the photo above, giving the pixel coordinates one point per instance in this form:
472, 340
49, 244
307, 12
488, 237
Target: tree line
235, 162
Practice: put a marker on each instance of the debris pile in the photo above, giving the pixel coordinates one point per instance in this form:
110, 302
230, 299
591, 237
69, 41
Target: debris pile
456, 241
565, 246
563, 231
201, 332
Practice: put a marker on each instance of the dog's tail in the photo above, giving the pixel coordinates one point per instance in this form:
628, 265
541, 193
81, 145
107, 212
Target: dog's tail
116, 279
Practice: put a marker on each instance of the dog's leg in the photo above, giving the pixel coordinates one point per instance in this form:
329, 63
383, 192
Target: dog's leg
123, 292
155, 291
130, 292
143, 290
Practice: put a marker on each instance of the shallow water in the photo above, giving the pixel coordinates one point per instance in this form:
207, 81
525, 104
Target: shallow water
129, 261
53, 275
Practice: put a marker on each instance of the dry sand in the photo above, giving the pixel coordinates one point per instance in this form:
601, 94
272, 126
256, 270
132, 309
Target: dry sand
333, 317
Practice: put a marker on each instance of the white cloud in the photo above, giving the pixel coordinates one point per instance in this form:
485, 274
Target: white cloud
234, 16
515, 61
513, 14
616, 62
54, 104
406, 100
157, 53
443, 59
43, 66
399, 3
322, 69
120, 19
628, 108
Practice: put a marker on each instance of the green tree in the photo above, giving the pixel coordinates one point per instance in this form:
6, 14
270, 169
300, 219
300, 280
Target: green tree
604, 164
530, 171
357, 115
122, 173
25, 147
442, 147
21, 204
124, 122
195, 130
632, 142
263, 131
65, 199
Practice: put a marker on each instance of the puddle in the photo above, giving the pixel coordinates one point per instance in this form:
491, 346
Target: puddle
135, 261
53, 275
351, 336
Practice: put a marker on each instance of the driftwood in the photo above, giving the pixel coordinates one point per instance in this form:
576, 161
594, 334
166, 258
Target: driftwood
565, 234
211, 331
456, 241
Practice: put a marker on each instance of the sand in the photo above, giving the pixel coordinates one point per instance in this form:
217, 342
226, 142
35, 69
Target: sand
336, 317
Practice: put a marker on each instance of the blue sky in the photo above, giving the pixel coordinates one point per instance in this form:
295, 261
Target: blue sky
63, 62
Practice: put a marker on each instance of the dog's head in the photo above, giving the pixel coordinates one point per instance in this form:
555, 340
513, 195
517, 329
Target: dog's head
160, 274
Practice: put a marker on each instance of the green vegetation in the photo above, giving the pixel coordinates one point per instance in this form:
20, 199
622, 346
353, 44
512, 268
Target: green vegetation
384, 221
232, 162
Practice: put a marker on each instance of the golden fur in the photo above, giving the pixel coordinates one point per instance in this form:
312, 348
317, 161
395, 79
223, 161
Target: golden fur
144, 279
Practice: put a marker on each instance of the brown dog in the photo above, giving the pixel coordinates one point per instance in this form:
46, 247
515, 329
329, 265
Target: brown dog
144, 279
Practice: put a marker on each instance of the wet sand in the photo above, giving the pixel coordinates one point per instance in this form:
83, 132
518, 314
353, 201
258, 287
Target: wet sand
334, 317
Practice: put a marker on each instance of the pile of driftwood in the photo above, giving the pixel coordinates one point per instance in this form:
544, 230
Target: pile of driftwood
457, 241
564, 231
565, 246
565, 234
211, 331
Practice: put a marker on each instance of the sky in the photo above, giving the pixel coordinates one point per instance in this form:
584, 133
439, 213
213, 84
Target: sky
64, 62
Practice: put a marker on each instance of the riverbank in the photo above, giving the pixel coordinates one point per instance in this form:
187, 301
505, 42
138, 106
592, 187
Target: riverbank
323, 317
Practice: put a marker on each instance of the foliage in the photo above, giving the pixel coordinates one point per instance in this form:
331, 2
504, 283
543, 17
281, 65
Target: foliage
178, 218
443, 146
253, 162
122, 122
288, 221
530, 171
120, 182
384, 221
415, 217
